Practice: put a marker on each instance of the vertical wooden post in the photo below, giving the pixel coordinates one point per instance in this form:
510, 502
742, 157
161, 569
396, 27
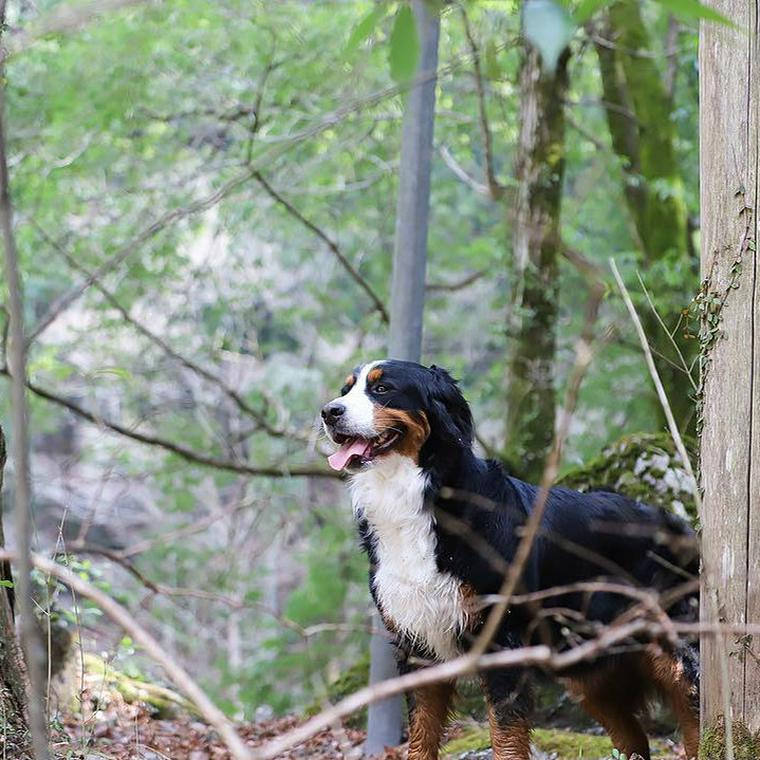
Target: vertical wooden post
729, 62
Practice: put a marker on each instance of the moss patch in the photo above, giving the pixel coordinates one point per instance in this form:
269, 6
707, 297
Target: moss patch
565, 745
351, 680
713, 743
643, 466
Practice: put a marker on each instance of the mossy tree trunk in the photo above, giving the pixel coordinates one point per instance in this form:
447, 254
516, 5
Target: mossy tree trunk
532, 321
639, 114
12, 674
730, 339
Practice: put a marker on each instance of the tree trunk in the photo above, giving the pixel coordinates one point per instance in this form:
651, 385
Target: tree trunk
407, 303
730, 306
12, 675
536, 242
639, 114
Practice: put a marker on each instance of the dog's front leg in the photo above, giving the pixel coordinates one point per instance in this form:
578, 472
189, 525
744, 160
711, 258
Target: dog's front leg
509, 702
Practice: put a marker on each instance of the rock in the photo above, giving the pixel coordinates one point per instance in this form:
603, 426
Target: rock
645, 467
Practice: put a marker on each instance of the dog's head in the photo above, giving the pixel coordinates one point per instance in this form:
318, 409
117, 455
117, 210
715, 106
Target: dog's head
395, 407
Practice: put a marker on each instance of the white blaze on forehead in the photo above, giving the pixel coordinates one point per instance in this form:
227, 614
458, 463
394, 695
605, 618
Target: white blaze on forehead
359, 416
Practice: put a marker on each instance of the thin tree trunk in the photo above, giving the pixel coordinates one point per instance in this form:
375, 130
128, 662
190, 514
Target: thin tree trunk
34, 653
407, 302
638, 106
730, 340
536, 242
12, 675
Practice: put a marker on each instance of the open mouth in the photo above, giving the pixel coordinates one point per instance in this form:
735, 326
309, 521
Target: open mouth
354, 453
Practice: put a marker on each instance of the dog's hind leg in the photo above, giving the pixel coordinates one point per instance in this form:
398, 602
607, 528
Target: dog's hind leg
613, 696
676, 676
508, 700
429, 711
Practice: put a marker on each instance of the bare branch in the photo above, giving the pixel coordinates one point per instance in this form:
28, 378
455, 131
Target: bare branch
269, 471
672, 426
329, 242
495, 188
450, 287
510, 658
583, 357
126, 620
461, 173
30, 638
258, 415
61, 304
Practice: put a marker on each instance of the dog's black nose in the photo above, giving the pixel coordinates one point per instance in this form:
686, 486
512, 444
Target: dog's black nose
333, 410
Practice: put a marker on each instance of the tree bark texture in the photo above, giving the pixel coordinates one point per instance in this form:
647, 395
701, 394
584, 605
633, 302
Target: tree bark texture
730, 306
532, 322
12, 674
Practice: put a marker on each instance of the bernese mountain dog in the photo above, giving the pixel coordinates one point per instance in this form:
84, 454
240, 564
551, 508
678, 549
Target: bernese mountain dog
440, 525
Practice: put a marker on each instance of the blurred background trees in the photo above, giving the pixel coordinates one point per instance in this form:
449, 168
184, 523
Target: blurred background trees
205, 196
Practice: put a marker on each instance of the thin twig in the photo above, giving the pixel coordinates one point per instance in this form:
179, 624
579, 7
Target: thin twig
583, 357
258, 415
495, 188
328, 241
30, 635
663, 397
125, 251
269, 471
126, 620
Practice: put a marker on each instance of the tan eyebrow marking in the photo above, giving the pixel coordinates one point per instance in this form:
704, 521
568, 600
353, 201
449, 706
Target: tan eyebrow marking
374, 375
350, 380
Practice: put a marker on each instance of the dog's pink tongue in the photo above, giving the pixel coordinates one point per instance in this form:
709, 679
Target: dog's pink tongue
356, 447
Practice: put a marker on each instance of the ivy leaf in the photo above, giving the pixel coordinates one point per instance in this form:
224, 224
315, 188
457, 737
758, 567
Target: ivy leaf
364, 28
548, 26
695, 10
405, 46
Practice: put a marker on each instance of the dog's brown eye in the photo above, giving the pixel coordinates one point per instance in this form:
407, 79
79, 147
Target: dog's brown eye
381, 389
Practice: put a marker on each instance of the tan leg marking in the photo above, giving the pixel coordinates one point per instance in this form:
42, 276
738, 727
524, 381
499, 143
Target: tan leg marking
511, 742
667, 673
611, 698
429, 717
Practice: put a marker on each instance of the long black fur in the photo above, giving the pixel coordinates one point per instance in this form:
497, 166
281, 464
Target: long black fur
583, 537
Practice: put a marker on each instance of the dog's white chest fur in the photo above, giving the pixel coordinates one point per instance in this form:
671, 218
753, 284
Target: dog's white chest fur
423, 603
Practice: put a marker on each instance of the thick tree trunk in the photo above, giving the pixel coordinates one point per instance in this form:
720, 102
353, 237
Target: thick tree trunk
730, 339
536, 243
12, 676
639, 114
407, 302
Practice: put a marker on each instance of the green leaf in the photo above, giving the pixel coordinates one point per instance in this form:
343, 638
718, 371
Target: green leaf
587, 8
695, 10
364, 28
548, 26
7, 584
405, 46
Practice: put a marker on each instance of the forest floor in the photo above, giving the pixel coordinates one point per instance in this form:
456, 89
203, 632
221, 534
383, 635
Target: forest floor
108, 727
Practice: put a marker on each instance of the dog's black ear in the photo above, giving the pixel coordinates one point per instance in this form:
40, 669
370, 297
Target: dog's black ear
448, 412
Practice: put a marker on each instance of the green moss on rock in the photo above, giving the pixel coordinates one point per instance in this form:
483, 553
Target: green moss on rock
354, 678
642, 466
